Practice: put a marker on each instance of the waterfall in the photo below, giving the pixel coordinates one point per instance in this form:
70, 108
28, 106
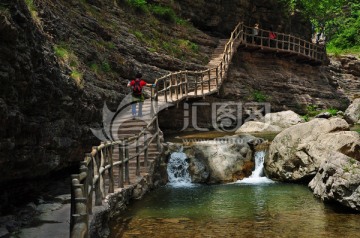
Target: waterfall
177, 169
257, 176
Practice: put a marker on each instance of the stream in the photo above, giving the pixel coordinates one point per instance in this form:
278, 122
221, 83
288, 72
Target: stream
253, 207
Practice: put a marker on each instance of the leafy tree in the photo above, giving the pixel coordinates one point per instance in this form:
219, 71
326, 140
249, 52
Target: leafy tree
340, 19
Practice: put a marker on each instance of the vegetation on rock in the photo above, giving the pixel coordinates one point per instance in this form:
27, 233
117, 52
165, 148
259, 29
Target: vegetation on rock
338, 19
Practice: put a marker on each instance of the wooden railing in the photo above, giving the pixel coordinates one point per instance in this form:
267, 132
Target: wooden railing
284, 43
98, 165
173, 87
186, 84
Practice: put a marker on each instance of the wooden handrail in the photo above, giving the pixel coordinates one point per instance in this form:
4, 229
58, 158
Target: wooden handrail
175, 87
91, 178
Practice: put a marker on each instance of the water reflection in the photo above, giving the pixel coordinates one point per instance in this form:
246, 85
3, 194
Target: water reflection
270, 210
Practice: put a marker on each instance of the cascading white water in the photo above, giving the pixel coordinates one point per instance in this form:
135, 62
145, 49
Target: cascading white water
177, 169
257, 175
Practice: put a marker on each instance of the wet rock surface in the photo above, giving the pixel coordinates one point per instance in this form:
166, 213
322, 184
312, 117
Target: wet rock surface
224, 159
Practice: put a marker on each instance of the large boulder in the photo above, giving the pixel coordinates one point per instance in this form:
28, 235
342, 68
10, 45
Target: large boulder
352, 113
271, 122
296, 153
224, 159
338, 179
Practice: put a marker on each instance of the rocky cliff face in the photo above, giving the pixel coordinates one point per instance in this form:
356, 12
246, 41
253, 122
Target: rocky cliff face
61, 60
283, 82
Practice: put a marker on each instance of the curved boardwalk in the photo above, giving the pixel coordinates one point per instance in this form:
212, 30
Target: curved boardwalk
134, 144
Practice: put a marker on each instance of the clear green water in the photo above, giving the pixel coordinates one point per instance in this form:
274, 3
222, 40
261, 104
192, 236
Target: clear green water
236, 210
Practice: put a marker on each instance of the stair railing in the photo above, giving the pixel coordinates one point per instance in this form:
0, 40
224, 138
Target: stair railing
99, 165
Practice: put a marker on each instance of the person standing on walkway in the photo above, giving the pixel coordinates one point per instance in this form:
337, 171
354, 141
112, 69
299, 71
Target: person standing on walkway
255, 34
137, 85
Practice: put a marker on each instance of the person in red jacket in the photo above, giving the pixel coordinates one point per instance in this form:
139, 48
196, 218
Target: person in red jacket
272, 37
137, 85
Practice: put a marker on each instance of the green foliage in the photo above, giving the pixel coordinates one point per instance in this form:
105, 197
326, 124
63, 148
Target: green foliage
353, 161
140, 5
187, 45
77, 76
164, 13
95, 68
139, 35
105, 66
110, 45
332, 111
339, 19
4, 9
348, 33
259, 96
30, 5
61, 52
32, 8
305, 117
67, 57
312, 110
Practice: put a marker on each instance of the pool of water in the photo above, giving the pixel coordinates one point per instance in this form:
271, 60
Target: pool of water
234, 210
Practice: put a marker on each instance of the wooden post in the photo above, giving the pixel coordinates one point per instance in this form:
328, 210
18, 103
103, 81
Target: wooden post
158, 142
290, 44
127, 176
196, 85
156, 91
217, 77
209, 83
90, 178
170, 87
111, 169
221, 72
102, 175
176, 87
79, 218
186, 87
98, 194
137, 157
298, 46
165, 91
145, 151
74, 181
202, 84
121, 165
181, 86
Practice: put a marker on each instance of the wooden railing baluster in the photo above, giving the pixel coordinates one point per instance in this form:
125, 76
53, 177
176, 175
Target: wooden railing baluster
127, 175
137, 157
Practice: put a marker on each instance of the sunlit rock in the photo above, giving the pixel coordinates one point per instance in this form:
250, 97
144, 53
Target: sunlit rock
223, 159
352, 113
271, 122
297, 152
338, 179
